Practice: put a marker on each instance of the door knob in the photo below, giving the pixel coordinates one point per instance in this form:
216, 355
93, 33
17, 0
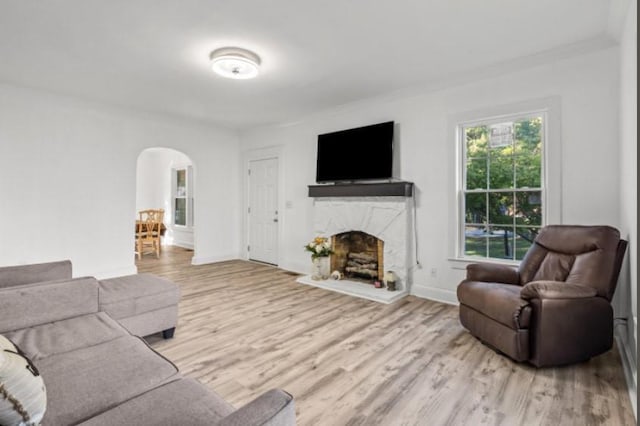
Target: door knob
275, 220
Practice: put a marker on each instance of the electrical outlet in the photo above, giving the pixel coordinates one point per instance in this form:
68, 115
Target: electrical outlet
434, 272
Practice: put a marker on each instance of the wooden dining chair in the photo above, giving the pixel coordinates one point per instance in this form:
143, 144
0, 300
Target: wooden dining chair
149, 231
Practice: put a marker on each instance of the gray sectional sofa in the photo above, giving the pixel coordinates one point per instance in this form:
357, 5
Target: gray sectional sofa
95, 371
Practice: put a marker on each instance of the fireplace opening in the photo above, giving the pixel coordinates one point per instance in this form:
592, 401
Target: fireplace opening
358, 256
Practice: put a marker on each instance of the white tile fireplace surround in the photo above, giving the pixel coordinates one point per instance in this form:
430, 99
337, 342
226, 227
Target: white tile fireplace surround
386, 218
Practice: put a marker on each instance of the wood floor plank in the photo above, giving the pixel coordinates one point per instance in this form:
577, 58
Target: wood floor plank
245, 328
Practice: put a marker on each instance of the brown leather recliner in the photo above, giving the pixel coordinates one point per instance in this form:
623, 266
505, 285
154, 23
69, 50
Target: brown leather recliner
555, 308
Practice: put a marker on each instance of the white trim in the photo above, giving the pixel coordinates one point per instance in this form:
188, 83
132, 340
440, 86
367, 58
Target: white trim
552, 160
462, 262
272, 152
628, 366
459, 79
182, 244
182, 228
298, 268
214, 259
436, 294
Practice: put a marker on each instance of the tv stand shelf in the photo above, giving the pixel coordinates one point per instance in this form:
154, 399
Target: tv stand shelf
384, 189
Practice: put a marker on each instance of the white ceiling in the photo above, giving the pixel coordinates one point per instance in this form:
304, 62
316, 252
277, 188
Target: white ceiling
153, 54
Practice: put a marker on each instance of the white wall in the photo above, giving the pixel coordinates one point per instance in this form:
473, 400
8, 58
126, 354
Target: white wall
154, 190
152, 179
68, 181
629, 180
587, 87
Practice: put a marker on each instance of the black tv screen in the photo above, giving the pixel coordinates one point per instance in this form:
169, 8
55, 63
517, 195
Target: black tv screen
364, 153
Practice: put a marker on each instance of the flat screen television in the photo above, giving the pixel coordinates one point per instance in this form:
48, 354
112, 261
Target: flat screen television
364, 153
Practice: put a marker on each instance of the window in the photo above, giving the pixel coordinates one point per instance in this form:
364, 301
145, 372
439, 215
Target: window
182, 198
502, 192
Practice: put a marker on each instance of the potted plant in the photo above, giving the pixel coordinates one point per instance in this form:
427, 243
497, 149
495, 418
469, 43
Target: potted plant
320, 249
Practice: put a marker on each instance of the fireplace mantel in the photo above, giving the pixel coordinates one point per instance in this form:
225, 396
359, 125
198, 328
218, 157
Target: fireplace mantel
384, 189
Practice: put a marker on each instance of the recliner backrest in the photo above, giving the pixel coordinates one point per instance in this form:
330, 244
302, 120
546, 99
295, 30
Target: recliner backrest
583, 255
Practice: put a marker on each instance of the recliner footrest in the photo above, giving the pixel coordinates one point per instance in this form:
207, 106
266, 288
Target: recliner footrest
514, 343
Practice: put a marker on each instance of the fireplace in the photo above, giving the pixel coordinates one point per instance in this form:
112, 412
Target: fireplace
376, 228
358, 256
376, 232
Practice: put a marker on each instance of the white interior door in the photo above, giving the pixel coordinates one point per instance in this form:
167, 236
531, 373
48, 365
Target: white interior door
263, 210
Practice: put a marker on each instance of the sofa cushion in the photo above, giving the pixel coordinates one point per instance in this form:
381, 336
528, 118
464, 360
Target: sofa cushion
93, 379
39, 303
501, 302
131, 295
272, 408
34, 273
181, 402
23, 397
67, 335
151, 322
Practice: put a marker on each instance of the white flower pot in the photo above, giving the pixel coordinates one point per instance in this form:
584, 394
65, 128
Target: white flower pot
321, 268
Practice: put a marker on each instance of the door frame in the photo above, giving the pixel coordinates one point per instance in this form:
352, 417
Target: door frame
275, 152
168, 198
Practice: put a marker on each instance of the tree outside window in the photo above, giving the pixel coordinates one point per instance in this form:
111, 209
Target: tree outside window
502, 186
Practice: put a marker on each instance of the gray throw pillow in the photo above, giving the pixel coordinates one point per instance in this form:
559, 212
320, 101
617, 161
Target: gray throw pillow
23, 397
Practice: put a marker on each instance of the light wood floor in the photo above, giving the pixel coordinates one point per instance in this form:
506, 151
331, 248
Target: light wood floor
245, 328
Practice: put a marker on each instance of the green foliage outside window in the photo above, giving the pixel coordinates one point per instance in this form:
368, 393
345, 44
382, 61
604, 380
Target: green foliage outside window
503, 190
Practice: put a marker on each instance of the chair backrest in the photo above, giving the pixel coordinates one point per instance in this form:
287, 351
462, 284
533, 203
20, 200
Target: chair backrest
150, 223
584, 255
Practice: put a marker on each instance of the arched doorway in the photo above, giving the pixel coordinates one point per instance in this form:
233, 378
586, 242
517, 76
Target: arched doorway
165, 180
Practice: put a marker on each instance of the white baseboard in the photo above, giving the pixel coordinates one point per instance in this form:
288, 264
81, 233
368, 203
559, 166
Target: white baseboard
183, 244
299, 269
435, 294
203, 260
628, 365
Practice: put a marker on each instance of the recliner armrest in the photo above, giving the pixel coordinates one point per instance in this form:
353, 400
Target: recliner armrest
273, 408
556, 290
492, 273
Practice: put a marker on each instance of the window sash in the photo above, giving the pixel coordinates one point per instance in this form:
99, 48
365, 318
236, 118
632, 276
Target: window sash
182, 195
462, 187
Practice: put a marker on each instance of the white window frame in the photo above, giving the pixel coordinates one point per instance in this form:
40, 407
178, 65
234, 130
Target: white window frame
188, 196
551, 178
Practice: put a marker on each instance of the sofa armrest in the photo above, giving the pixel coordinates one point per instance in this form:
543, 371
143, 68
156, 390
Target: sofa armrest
273, 408
40, 303
492, 273
556, 290
27, 274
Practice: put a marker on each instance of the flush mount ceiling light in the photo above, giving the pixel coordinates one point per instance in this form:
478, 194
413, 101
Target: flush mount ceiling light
234, 62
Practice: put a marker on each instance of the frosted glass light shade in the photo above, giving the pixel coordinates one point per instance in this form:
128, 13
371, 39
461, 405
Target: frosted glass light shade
234, 62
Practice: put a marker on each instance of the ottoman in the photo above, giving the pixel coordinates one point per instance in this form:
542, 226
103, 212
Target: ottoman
144, 303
